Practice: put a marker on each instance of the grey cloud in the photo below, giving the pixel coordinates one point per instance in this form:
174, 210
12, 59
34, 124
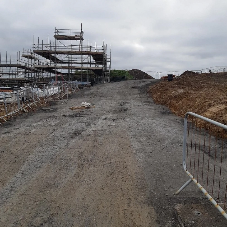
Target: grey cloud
157, 35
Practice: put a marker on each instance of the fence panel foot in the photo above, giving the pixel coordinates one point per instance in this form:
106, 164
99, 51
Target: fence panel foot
184, 186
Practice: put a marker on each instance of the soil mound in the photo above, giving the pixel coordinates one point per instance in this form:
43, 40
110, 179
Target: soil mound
204, 94
138, 74
189, 73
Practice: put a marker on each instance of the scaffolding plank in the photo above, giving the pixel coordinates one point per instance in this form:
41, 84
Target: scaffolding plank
68, 37
48, 55
66, 67
68, 52
29, 56
10, 65
14, 65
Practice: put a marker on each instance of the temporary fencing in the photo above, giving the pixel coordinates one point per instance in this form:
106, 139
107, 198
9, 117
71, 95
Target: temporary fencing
205, 158
26, 99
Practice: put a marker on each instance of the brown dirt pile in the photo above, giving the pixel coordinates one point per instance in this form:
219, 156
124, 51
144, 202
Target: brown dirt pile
204, 94
139, 75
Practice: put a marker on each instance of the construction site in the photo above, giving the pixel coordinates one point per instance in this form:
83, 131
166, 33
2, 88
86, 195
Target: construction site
56, 67
73, 154
66, 58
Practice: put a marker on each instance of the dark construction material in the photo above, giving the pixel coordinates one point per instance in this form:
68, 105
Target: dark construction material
170, 77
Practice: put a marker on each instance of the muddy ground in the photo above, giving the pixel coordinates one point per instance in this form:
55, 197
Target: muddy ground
116, 164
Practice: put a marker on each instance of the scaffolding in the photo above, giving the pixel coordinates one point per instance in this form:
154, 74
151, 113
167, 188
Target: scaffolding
66, 58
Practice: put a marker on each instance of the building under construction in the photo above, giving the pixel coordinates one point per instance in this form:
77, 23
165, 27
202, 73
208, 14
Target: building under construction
64, 59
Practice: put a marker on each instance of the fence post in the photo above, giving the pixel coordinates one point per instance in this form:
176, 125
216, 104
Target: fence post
5, 103
45, 93
18, 100
24, 98
33, 96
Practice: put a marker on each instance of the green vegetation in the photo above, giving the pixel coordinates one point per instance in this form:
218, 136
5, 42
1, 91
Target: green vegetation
120, 74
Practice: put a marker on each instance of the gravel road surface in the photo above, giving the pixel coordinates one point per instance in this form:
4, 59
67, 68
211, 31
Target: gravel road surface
115, 164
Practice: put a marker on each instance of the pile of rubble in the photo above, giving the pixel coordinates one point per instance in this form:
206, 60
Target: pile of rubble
204, 94
138, 74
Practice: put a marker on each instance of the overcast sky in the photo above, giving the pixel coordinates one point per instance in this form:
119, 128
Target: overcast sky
154, 36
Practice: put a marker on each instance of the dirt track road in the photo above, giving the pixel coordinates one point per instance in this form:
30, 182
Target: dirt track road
117, 164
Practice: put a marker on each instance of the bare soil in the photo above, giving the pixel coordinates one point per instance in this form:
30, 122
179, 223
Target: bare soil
117, 164
204, 94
